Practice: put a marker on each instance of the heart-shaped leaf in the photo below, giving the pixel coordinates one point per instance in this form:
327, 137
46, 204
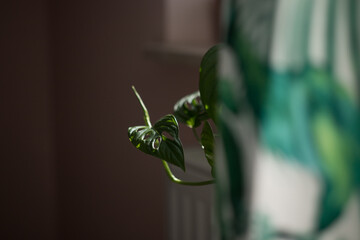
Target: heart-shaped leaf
209, 80
161, 140
207, 142
190, 110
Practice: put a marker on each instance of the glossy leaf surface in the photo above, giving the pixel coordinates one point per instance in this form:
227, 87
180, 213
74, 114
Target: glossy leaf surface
208, 81
208, 144
161, 140
190, 110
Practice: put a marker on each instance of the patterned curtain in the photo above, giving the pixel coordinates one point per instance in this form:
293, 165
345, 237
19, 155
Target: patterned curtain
289, 158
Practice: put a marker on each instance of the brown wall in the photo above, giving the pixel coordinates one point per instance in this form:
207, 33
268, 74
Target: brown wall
67, 169
27, 174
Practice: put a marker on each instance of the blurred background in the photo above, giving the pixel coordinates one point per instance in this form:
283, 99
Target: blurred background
68, 170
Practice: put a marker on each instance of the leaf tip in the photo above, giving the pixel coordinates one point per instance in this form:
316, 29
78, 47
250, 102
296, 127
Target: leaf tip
183, 168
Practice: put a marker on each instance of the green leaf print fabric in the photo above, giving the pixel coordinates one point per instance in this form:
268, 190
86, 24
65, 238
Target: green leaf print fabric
289, 158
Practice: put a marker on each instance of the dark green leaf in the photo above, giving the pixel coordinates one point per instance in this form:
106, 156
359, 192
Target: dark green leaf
207, 142
190, 110
209, 81
161, 140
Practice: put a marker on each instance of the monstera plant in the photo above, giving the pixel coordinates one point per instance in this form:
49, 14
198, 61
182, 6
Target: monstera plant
162, 140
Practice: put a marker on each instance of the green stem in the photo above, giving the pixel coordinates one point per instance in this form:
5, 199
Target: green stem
179, 181
196, 135
146, 113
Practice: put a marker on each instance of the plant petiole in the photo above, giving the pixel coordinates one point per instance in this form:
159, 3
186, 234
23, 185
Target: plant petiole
146, 113
179, 181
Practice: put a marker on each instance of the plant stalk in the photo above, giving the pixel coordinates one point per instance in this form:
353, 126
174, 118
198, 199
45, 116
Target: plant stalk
179, 181
196, 135
146, 113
